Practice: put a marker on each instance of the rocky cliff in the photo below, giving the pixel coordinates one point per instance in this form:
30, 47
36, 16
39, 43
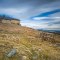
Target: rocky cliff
9, 20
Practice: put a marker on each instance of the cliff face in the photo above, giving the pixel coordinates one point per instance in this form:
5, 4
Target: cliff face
9, 20
17, 22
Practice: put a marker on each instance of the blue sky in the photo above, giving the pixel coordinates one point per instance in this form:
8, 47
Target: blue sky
37, 14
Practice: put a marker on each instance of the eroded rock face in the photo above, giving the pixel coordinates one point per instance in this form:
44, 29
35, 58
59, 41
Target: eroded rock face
9, 20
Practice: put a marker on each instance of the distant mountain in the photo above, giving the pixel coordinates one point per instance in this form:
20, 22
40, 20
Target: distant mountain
50, 31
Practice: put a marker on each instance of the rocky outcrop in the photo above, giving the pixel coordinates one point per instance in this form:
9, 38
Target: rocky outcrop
9, 20
46, 36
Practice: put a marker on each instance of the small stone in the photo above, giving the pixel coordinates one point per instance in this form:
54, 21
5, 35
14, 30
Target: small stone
11, 53
24, 58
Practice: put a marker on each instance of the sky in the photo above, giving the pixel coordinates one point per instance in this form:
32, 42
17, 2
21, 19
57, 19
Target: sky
37, 14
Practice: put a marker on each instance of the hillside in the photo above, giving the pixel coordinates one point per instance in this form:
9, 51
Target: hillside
23, 43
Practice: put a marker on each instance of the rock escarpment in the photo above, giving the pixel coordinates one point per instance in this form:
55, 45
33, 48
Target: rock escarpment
9, 20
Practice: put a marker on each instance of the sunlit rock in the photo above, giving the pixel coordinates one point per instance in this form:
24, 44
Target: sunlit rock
11, 53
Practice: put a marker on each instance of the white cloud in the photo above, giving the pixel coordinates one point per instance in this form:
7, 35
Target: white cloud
27, 11
42, 18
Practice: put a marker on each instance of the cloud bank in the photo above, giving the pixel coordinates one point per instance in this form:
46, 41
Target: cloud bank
37, 14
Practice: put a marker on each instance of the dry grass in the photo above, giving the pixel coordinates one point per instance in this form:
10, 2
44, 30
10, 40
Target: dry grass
27, 44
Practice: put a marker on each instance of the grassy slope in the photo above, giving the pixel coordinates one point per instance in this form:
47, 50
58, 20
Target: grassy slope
27, 43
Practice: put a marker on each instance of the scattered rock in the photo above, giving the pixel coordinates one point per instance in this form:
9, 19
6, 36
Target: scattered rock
24, 58
35, 57
11, 53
